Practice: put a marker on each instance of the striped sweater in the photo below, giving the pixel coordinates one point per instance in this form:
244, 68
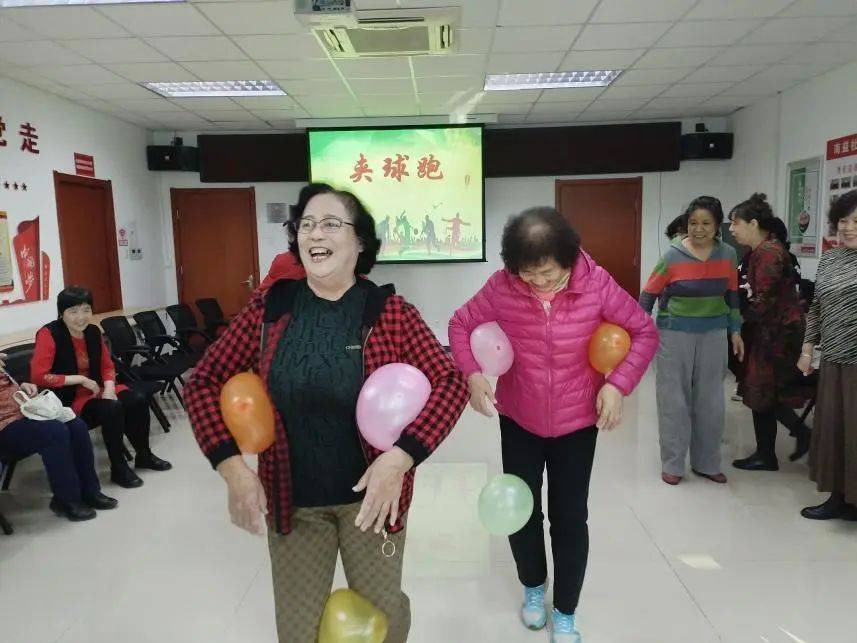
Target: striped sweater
832, 318
695, 296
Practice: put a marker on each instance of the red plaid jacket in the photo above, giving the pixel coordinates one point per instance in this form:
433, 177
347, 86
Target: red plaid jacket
393, 331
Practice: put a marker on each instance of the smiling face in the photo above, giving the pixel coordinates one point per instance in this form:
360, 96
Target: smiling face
327, 242
77, 318
701, 227
847, 228
544, 277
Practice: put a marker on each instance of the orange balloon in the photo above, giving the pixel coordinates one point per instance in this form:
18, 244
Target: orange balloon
608, 347
248, 412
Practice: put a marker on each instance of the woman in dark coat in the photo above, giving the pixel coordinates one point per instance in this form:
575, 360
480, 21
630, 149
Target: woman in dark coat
772, 386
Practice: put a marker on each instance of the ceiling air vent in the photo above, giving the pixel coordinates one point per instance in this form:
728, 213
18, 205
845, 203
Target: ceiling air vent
396, 32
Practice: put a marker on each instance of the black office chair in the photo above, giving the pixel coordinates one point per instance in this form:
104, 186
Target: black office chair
127, 376
807, 293
5, 525
811, 380
124, 348
187, 329
156, 337
212, 315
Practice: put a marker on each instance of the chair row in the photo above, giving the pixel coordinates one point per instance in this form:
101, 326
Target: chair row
151, 363
162, 361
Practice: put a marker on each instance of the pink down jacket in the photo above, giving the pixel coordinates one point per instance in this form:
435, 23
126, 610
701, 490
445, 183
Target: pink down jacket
551, 388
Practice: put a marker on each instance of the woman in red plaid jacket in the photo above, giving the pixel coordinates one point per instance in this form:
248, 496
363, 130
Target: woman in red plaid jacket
324, 489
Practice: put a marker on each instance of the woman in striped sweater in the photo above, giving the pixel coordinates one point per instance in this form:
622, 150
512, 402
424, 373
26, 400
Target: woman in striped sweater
832, 322
695, 284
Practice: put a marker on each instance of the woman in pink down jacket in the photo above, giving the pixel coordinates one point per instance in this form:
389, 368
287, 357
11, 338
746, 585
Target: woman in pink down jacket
549, 300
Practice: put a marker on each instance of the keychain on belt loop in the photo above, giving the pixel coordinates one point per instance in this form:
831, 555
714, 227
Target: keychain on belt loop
388, 548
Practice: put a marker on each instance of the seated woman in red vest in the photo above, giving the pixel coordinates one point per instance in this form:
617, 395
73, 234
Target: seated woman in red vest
65, 449
71, 357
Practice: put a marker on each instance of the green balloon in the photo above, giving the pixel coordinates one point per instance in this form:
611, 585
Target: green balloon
505, 504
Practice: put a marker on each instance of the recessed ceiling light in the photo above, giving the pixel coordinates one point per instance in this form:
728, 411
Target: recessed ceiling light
58, 3
193, 89
550, 80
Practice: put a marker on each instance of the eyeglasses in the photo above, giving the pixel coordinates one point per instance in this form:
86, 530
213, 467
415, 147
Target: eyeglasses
329, 225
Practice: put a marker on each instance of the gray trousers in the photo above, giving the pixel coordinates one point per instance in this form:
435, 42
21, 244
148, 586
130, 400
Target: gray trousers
691, 368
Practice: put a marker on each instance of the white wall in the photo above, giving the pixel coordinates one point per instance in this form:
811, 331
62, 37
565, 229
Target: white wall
64, 128
437, 290
793, 126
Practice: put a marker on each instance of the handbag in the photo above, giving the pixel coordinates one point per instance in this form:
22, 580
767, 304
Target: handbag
44, 406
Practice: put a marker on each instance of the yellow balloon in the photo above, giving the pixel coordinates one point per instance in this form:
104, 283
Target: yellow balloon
350, 618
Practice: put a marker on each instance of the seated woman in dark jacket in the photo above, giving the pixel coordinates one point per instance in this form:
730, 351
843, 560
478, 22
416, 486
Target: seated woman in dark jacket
65, 449
71, 358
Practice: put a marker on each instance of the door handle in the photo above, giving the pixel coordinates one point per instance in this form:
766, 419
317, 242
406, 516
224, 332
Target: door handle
250, 281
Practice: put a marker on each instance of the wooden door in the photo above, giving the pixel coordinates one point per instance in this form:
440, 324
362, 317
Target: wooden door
607, 213
214, 231
87, 230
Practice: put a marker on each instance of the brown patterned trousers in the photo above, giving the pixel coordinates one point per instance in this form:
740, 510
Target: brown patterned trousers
303, 564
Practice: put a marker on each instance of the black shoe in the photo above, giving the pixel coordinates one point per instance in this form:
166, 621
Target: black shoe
151, 461
833, 507
849, 513
757, 462
126, 478
98, 500
801, 446
74, 511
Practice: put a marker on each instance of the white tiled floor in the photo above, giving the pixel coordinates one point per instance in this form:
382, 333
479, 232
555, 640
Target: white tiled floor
692, 564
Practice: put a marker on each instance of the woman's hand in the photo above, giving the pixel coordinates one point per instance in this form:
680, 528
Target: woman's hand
804, 364
30, 390
738, 346
481, 395
609, 406
247, 501
90, 385
109, 391
383, 484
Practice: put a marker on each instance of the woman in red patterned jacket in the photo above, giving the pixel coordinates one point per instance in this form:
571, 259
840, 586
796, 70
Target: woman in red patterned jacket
772, 385
324, 489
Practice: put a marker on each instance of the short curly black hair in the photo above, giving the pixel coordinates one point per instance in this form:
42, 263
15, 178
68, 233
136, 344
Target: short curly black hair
537, 235
843, 207
364, 224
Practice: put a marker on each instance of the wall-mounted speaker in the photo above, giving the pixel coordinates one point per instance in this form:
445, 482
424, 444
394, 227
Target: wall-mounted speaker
707, 145
172, 158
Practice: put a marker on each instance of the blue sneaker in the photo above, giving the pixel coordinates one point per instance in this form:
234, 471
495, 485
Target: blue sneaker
533, 612
563, 629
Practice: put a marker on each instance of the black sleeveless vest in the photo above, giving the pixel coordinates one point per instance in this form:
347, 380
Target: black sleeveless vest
65, 361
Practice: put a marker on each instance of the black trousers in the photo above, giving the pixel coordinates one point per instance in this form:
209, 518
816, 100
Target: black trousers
568, 460
129, 415
765, 427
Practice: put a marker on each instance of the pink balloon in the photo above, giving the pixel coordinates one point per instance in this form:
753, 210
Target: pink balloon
492, 349
391, 398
